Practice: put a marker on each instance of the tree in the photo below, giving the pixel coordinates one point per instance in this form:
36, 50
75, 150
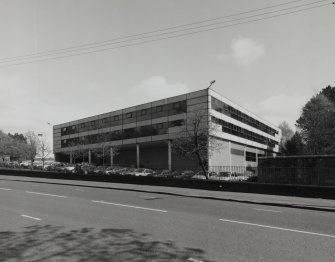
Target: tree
43, 149
31, 147
287, 134
317, 125
329, 92
77, 149
294, 146
102, 147
196, 139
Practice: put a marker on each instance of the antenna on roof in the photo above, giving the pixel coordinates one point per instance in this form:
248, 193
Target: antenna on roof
211, 83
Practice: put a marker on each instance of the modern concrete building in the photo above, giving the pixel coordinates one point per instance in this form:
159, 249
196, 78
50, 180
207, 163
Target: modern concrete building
144, 133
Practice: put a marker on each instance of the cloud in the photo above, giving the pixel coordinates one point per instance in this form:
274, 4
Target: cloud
283, 107
244, 52
157, 87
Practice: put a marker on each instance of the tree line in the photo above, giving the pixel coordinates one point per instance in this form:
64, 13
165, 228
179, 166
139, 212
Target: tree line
20, 147
315, 133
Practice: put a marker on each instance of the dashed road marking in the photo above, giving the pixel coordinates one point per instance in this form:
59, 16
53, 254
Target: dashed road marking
35, 218
44, 194
278, 228
122, 205
1, 188
268, 210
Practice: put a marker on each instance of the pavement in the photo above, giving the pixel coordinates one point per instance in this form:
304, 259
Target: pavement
251, 198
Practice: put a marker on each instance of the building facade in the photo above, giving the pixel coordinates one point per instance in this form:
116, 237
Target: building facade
143, 134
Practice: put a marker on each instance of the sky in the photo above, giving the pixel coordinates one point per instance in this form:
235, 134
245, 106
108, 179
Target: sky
271, 67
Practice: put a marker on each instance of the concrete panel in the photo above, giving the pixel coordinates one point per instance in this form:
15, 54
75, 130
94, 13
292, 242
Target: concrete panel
198, 100
114, 128
143, 106
102, 116
203, 92
143, 139
159, 102
144, 123
176, 129
130, 125
129, 141
176, 99
220, 157
177, 117
160, 137
116, 112
93, 132
129, 109
197, 107
115, 143
160, 120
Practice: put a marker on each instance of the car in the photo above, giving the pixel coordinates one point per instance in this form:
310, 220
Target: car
143, 172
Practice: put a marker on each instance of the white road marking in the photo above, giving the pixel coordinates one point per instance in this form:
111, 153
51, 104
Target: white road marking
5, 188
122, 205
279, 228
44, 194
268, 210
35, 218
194, 260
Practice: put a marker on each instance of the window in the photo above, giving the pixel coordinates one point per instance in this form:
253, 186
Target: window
73, 127
143, 112
159, 108
82, 125
64, 129
129, 115
116, 118
250, 157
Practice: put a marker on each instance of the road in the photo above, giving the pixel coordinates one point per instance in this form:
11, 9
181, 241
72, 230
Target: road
48, 222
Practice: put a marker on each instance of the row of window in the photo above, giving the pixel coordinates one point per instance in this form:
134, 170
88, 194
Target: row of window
244, 133
249, 156
230, 111
142, 131
130, 117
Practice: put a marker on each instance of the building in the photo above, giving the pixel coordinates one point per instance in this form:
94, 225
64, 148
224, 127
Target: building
144, 133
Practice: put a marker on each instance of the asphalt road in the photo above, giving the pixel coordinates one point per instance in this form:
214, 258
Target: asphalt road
47, 222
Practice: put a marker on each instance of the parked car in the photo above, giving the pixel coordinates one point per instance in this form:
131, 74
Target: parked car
142, 172
186, 174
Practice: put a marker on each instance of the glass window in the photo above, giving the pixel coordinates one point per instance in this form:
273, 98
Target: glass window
129, 115
159, 108
143, 112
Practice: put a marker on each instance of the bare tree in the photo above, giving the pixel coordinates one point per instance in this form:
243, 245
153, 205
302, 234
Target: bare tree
77, 149
31, 148
197, 139
43, 149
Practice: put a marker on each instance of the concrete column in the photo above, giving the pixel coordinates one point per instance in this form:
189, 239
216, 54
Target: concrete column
71, 160
230, 157
89, 157
137, 155
112, 156
169, 156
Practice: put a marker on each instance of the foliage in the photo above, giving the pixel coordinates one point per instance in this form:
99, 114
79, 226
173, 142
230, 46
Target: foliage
329, 92
317, 125
287, 134
294, 146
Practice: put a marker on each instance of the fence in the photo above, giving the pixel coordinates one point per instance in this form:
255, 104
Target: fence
324, 176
